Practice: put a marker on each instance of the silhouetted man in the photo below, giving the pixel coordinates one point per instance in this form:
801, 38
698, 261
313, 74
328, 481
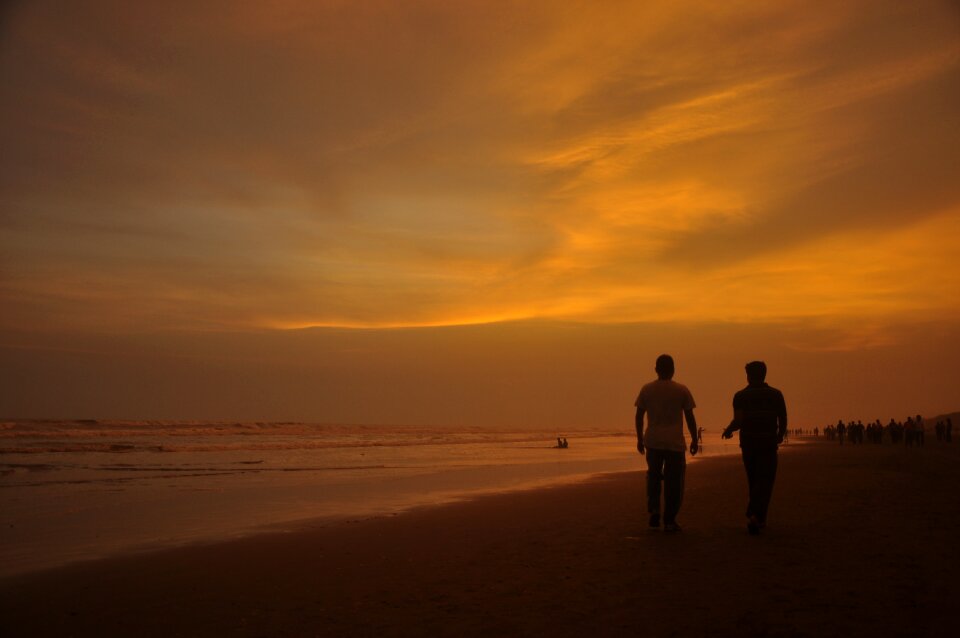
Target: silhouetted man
666, 403
760, 414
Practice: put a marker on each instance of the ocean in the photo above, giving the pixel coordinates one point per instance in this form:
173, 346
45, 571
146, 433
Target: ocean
81, 490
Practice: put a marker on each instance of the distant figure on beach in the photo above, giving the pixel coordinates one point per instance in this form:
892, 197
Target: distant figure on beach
665, 403
895, 430
562, 443
909, 432
857, 429
760, 414
841, 431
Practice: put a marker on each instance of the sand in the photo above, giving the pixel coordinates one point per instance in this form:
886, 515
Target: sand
861, 541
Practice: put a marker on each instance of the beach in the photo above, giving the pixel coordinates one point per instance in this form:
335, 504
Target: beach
861, 541
75, 491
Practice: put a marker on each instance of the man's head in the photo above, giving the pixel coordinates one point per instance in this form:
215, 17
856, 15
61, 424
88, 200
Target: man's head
756, 372
664, 366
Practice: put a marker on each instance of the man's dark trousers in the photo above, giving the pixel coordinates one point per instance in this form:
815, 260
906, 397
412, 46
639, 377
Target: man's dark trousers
667, 467
760, 461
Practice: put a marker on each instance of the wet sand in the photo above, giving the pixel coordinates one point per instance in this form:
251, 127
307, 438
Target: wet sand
861, 541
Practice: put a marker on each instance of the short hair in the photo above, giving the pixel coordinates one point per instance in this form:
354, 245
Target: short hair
756, 370
664, 364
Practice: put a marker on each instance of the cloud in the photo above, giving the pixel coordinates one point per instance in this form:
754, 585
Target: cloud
428, 163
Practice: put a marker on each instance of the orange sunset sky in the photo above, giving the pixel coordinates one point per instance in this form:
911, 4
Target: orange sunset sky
478, 213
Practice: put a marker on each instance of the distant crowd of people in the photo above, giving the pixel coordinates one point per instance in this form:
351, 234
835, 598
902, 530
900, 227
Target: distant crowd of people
910, 432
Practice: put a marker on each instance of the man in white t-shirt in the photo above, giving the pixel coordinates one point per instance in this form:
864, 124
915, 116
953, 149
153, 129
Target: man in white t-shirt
666, 403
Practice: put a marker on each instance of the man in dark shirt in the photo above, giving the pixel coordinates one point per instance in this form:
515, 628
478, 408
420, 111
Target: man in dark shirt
760, 414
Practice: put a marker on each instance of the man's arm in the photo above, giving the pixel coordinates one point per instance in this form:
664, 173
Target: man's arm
734, 425
782, 421
638, 421
692, 428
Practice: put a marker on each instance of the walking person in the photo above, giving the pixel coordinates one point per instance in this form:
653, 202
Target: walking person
666, 404
760, 414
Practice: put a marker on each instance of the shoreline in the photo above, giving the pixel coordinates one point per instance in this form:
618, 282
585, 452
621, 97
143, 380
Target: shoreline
860, 540
161, 509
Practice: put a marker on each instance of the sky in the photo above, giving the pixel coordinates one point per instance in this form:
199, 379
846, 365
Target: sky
476, 213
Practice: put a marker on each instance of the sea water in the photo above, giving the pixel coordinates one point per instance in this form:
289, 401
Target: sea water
80, 490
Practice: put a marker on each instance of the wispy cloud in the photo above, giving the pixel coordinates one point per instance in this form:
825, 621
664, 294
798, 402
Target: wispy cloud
431, 163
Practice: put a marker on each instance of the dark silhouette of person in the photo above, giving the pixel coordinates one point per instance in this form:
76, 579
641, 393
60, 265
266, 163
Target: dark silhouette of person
910, 432
841, 431
760, 414
665, 403
564, 444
